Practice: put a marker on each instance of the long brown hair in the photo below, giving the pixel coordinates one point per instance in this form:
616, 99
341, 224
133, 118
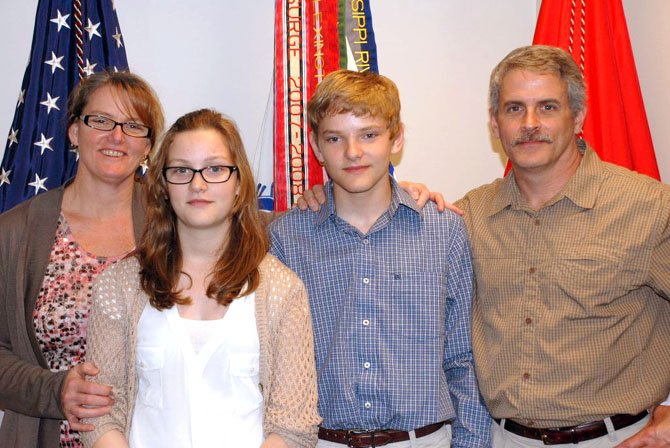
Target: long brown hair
236, 271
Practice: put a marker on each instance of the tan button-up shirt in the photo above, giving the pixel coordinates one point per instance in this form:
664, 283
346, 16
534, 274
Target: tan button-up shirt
571, 320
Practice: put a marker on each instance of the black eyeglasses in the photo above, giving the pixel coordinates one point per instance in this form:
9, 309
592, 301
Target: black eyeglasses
102, 123
216, 174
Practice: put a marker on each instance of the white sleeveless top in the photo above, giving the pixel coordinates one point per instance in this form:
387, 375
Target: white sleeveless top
206, 399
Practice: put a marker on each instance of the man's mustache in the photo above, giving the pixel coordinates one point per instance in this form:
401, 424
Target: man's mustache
532, 136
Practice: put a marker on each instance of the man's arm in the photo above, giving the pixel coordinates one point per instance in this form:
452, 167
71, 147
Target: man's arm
656, 434
472, 426
315, 197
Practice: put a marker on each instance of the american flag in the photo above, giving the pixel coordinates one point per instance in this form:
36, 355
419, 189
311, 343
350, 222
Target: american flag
72, 39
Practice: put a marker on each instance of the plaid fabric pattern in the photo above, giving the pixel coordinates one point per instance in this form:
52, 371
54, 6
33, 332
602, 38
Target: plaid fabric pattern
571, 320
391, 317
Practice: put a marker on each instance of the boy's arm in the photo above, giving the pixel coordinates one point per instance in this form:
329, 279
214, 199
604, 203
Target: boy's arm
472, 425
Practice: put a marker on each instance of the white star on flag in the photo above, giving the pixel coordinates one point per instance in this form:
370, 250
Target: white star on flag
44, 143
61, 20
54, 62
117, 38
13, 137
38, 183
89, 68
22, 98
92, 29
4, 176
50, 103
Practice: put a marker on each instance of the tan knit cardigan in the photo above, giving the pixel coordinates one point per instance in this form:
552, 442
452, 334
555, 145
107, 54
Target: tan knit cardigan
287, 373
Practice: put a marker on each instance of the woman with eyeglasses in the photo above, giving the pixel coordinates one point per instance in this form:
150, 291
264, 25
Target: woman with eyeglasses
52, 248
205, 338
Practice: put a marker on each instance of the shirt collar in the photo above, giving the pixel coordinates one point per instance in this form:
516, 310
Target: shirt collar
399, 197
579, 189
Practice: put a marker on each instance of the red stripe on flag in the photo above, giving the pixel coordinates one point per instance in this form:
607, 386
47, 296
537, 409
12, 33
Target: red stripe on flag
306, 49
280, 178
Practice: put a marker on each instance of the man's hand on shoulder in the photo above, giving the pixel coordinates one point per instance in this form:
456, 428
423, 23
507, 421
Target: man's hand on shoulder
656, 434
315, 197
312, 199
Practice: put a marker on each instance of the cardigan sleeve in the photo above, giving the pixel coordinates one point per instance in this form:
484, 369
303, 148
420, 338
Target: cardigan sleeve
291, 410
109, 346
25, 386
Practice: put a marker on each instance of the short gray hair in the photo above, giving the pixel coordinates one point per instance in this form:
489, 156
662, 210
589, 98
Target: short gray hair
541, 59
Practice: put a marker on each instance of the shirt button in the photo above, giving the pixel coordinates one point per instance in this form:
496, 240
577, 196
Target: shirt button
368, 405
529, 321
537, 222
366, 322
366, 280
531, 270
366, 241
366, 365
526, 376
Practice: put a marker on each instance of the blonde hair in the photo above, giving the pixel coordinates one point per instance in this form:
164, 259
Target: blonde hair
361, 93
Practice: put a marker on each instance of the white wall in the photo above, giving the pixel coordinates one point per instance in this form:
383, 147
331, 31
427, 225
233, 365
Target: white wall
440, 52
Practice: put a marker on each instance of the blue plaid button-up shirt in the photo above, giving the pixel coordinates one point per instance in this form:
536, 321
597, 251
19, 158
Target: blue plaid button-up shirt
391, 317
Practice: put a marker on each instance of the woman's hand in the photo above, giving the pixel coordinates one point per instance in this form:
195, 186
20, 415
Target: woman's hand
84, 399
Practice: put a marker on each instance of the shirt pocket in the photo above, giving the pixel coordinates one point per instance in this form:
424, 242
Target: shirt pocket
244, 374
592, 275
149, 365
418, 304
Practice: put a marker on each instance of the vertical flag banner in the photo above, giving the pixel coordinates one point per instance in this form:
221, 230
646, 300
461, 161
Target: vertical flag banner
595, 33
72, 39
312, 38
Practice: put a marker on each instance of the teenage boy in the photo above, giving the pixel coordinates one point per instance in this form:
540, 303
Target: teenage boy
390, 285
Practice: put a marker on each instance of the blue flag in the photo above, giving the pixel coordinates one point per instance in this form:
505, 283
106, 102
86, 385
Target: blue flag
72, 39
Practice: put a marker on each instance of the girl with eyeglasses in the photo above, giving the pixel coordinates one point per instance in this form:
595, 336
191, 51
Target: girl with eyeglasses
205, 338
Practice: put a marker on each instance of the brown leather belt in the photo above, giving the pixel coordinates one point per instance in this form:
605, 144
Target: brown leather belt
369, 439
572, 434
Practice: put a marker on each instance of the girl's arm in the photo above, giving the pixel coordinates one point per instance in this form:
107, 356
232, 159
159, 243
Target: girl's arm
112, 439
109, 348
291, 408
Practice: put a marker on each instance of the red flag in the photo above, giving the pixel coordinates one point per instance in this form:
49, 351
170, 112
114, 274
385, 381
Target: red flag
595, 33
306, 49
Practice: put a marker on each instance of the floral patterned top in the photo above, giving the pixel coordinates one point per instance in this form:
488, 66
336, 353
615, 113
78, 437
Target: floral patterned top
61, 311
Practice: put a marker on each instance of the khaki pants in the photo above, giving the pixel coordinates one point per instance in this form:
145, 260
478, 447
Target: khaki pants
506, 439
439, 439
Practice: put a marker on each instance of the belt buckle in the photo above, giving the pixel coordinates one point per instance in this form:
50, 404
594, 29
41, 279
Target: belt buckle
374, 435
545, 438
356, 432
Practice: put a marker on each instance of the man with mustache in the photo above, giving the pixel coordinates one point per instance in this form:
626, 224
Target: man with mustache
571, 317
